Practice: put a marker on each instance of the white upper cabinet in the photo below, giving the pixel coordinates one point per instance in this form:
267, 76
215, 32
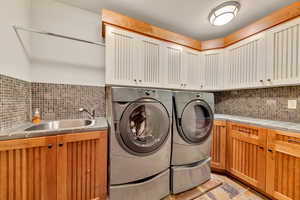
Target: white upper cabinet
173, 68
192, 78
246, 63
213, 67
270, 58
121, 57
151, 62
283, 44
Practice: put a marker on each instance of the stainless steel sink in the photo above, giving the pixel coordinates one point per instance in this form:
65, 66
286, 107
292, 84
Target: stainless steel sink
63, 124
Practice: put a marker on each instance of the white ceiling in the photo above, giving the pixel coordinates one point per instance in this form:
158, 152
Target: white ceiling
188, 17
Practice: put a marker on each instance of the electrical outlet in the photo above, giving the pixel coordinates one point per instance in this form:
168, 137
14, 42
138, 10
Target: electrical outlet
292, 104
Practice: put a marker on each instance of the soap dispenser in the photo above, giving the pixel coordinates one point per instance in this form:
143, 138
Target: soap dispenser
36, 119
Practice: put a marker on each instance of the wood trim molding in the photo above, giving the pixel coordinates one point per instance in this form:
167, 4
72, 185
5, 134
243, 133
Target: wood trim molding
213, 44
131, 24
280, 16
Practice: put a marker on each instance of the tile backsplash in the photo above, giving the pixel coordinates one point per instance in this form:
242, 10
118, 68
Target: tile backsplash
268, 103
15, 102
56, 101
62, 101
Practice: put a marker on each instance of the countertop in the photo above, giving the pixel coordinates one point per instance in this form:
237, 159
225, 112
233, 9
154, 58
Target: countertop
279, 125
99, 124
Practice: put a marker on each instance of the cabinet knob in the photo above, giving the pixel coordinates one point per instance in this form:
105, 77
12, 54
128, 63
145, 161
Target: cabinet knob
49, 146
261, 81
61, 144
269, 79
140, 81
134, 80
270, 150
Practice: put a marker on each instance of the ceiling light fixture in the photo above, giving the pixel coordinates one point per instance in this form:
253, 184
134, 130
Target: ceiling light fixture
224, 13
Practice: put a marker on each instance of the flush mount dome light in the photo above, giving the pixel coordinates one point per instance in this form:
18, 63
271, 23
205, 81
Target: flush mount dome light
224, 13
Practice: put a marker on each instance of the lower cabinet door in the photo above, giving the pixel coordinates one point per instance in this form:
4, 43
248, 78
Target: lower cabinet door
218, 145
28, 169
247, 154
283, 164
82, 161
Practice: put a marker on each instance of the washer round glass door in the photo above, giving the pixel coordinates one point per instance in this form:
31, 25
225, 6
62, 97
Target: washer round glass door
196, 121
144, 126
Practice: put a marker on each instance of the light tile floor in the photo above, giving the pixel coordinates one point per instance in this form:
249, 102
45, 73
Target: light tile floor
231, 189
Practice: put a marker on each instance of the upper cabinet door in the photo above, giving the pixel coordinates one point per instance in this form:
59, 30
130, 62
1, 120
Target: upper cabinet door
284, 54
151, 62
174, 66
191, 67
246, 63
121, 57
213, 69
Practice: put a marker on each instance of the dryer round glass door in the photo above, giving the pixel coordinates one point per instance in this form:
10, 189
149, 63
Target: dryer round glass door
144, 126
196, 121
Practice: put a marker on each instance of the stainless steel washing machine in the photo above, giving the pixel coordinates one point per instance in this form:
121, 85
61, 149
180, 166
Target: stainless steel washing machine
192, 125
140, 143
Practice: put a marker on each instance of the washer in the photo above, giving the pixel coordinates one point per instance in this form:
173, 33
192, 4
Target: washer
140, 143
192, 126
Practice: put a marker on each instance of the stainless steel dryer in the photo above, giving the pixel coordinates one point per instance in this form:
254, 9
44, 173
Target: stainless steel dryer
192, 125
140, 143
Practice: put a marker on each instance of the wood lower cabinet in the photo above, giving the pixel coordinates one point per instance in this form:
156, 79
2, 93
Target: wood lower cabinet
283, 164
218, 146
266, 159
247, 153
82, 166
28, 169
63, 167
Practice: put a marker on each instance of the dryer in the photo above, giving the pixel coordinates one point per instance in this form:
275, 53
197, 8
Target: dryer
140, 143
192, 126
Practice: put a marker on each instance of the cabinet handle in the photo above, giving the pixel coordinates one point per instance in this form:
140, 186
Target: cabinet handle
262, 148
269, 79
270, 150
296, 141
261, 81
49, 146
140, 81
61, 144
244, 131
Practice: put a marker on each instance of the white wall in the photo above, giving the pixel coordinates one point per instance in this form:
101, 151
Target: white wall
57, 60
13, 60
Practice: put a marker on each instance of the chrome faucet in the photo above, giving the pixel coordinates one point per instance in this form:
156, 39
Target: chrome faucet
91, 115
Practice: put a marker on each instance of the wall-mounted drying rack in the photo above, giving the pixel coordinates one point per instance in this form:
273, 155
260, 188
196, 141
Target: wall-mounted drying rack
16, 28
